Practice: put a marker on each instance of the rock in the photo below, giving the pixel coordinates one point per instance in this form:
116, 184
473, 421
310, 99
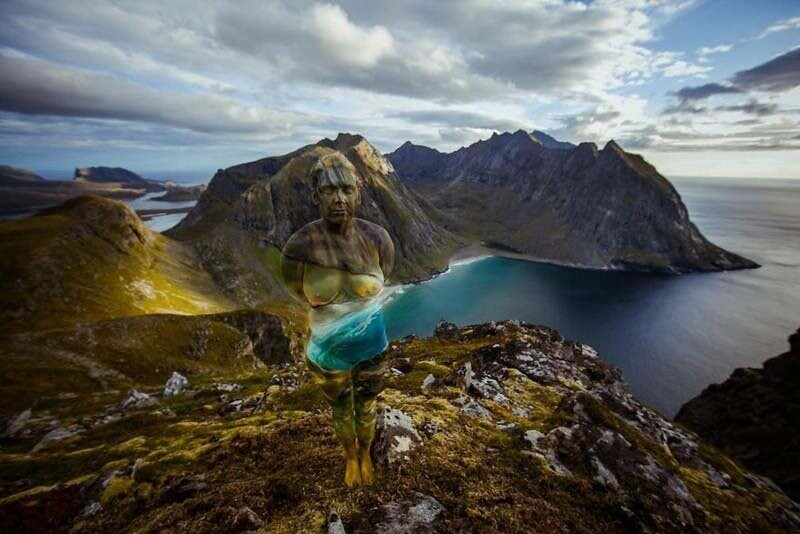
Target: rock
226, 387
176, 384
137, 400
417, 515
57, 434
429, 428
472, 408
395, 437
232, 407
446, 330
184, 487
754, 417
429, 380
335, 525
246, 519
17, 424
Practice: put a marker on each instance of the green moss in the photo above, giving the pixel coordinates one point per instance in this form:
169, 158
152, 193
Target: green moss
116, 489
602, 415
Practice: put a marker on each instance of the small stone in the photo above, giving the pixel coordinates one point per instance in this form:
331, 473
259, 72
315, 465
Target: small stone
246, 519
395, 437
18, 423
57, 434
176, 383
335, 525
429, 380
226, 386
137, 399
409, 516
472, 408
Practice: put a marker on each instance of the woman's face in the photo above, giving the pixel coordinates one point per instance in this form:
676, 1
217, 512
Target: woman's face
337, 195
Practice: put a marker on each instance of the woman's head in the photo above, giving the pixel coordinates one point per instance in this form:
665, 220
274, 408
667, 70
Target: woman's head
334, 188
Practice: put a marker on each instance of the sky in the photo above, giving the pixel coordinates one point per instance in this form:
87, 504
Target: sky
698, 87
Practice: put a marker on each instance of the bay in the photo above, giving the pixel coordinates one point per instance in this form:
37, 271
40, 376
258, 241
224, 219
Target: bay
671, 335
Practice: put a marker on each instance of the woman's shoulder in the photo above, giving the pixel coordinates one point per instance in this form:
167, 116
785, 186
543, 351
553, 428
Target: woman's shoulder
297, 244
376, 232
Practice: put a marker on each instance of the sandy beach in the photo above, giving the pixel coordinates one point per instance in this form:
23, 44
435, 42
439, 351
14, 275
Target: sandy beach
469, 254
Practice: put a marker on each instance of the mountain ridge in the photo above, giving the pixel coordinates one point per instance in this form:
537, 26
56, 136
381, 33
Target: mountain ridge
602, 209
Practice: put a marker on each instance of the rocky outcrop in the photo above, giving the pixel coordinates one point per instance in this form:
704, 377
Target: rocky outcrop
249, 211
754, 416
117, 175
180, 193
565, 448
578, 206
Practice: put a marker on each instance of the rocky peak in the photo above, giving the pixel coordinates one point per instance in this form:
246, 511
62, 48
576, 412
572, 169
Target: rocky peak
550, 142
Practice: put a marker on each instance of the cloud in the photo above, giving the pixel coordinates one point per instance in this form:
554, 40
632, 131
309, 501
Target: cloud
346, 42
701, 92
779, 74
786, 24
719, 49
752, 107
36, 87
776, 75
460, 119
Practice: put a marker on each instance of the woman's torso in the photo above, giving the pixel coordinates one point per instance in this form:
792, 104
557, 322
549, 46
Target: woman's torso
326, 285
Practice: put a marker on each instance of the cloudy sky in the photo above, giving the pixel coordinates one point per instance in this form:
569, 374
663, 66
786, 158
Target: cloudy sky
699, 87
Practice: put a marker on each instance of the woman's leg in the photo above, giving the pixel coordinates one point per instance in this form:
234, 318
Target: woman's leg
337, 386
367, 383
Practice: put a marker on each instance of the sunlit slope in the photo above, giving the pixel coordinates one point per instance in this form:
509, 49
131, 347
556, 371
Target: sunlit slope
92, 258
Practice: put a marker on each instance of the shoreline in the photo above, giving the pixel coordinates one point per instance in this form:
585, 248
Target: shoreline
476, 252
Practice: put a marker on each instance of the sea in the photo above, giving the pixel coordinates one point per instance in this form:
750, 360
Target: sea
671, 335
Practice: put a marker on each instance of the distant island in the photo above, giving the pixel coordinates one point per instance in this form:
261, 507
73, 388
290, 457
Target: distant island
23, 191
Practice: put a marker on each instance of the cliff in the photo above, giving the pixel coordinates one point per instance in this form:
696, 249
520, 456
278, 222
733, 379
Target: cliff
579, 206
754, 416
490, 427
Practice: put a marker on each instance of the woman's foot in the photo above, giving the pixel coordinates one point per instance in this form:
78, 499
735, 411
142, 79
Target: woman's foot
352, 471
367, 474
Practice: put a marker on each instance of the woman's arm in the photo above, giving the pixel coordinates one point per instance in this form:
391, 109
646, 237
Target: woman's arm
292, 273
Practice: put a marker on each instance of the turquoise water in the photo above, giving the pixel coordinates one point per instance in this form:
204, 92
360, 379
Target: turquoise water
348, 339
670, 335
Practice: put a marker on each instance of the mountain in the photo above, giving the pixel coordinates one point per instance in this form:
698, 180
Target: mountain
249, 211
16, 176
23, 191
496, 427
754, 416
550, 142
580, 206
117, 175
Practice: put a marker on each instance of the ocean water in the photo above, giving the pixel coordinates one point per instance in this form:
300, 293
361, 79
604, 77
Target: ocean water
670, 335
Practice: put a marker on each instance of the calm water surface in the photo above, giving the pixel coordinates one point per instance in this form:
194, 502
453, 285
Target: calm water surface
670, 335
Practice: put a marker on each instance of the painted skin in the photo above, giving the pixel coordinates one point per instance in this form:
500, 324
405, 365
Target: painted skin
338, 265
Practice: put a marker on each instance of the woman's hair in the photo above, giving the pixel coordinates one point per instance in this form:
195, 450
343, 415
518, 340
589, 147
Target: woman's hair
332, 164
